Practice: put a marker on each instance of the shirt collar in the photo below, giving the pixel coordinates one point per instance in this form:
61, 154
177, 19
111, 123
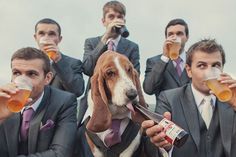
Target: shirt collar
198, 96
35, 105
183, 56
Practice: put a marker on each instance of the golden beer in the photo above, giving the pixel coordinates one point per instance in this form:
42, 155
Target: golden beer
46, 42
222, 91
18, 100
174, 49
51, 54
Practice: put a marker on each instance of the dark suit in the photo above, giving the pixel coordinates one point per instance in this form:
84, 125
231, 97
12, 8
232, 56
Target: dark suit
181, 103
68, 75
56, 141
161, 76
93, 48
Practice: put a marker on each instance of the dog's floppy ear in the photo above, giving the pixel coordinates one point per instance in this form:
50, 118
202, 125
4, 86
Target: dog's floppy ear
101, 116
137, 117
139, 88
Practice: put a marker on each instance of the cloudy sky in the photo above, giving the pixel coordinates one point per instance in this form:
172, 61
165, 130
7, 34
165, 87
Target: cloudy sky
146, 21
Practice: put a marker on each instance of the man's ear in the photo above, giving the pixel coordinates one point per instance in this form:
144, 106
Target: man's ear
188, 70
103, 22
60, 38
48, 78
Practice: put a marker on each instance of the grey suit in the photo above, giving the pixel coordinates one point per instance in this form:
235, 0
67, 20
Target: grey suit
161, 76
68, 75
93, 48
57, 141
180, 102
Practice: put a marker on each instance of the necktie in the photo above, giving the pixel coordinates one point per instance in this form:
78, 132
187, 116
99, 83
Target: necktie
207, 110
178, 68
27, 116
113, 137
110, 45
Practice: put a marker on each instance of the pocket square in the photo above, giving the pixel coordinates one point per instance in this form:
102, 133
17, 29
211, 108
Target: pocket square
49, 124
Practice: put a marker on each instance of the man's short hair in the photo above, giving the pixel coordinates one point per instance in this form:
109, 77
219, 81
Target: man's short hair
177, 22
48, 21
116, 6
30, 53
207, 46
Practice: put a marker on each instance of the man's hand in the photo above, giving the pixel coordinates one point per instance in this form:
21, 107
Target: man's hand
110, 29
52, 47
166, 47
156, 133
227, 79
5, 93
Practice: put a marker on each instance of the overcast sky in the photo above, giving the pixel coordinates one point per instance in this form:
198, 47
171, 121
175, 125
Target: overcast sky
146, 21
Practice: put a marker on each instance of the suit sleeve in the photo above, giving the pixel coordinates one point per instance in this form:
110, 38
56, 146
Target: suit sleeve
91, 55
153, 78
63, 140
163, 104
69, 71
135, 57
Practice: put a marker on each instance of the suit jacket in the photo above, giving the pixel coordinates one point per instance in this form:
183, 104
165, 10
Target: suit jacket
55, 141
93, 48
68, 75
161, 76
180, 102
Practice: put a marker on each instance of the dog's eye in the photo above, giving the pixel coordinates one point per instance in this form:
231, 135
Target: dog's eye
110, 73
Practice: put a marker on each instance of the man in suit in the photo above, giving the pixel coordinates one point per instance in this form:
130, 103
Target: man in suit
113, 17
212, 130
67, 70
51, 127
160, 73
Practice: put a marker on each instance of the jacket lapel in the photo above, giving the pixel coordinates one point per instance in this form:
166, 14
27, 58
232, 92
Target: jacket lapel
226, 117
191, 114
171, 69
11, 128
36, 121
122, 46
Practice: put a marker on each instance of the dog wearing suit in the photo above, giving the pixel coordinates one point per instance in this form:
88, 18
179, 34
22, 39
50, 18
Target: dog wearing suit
115, 88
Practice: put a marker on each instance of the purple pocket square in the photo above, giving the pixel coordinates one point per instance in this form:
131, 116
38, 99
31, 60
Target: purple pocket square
49, 124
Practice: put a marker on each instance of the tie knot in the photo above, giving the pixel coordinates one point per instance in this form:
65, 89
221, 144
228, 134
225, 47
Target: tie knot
178, 60
27, 114
207, 100
110, 45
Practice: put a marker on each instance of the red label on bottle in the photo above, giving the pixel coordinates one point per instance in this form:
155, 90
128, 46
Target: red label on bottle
171, 130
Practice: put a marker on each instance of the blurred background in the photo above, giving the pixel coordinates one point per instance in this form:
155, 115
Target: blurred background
146, 21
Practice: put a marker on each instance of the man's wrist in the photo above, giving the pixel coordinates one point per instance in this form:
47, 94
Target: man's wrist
104, 39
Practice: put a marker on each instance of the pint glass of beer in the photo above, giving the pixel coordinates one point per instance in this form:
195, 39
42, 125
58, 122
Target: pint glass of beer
222, 91
46, 42
174, 49
18, 100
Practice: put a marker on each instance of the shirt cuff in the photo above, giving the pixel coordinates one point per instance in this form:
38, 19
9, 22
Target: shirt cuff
165, 153
164, 59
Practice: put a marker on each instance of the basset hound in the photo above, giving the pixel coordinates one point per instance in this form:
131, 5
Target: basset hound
115, 88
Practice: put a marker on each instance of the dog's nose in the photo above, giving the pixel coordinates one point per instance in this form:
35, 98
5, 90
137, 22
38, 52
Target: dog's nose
131, 94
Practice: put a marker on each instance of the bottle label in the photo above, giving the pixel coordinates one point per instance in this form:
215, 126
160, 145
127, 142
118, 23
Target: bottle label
171, 130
